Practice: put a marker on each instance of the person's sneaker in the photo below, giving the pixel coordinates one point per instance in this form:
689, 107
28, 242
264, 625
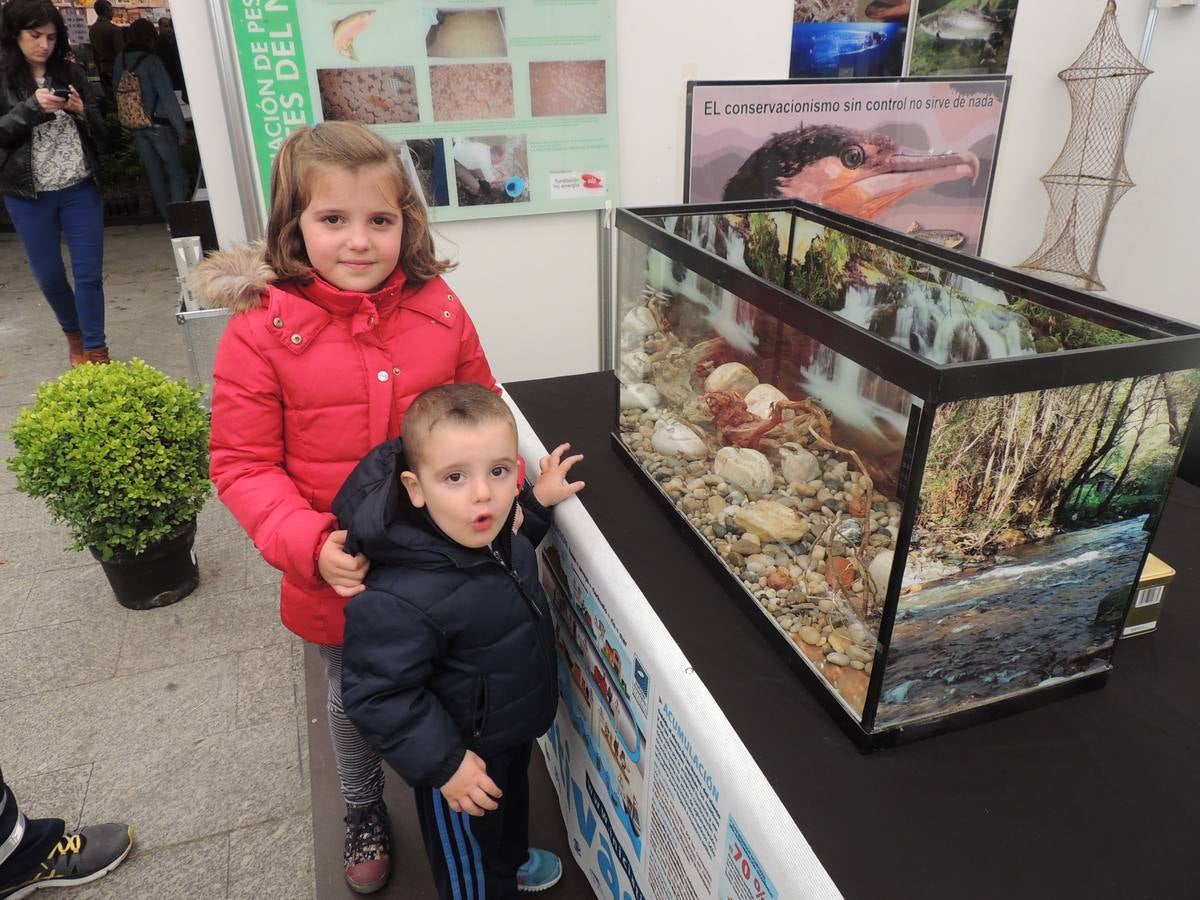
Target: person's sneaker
90, 853
542, 870
368, 856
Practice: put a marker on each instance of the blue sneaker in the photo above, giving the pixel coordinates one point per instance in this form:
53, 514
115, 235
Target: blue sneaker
542, 870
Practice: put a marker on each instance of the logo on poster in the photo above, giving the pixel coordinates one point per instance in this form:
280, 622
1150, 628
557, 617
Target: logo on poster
565, 185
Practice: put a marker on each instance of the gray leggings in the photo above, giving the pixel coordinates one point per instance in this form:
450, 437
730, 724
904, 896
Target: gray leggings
359, 770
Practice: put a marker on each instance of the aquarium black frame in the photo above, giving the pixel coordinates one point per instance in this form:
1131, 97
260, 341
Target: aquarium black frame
878, 79
1161, 345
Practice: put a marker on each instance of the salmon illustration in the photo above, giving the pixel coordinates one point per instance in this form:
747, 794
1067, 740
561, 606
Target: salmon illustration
888, 10
946, 237
347, 29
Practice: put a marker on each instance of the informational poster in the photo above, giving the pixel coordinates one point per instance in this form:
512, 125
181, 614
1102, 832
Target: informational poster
503, 108
75, 19
849, 38
916, 155
660, 797
962, 37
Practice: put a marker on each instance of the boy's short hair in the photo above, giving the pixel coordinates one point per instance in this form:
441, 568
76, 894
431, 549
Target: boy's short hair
465, 404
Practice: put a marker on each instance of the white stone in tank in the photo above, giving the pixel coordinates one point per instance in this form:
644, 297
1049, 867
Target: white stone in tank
799, 466
762, 397
674, 438
640, 395
745, 468
732, 376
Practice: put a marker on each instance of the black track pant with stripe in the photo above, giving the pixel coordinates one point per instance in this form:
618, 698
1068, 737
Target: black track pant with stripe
23, 842
477, 857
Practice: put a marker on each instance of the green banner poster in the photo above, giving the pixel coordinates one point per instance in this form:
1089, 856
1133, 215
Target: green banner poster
274, 76
502, 109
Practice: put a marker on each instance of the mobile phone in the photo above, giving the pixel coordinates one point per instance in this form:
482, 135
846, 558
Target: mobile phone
61, 91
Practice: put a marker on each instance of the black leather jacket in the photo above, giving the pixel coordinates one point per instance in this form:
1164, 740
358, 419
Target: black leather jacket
19, 114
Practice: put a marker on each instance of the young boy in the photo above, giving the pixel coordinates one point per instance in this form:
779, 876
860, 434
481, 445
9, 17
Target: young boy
449, 667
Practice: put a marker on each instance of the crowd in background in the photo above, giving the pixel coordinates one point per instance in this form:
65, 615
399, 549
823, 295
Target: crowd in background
66, 114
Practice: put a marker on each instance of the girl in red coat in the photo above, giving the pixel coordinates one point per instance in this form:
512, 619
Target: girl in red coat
342, 320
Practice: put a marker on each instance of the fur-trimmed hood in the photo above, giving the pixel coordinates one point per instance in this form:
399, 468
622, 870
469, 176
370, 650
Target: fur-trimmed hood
233, 279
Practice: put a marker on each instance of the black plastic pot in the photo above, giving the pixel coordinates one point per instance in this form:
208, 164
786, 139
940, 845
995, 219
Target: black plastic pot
164, 574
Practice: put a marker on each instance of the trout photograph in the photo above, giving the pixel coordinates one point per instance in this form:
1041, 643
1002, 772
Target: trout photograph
962, 37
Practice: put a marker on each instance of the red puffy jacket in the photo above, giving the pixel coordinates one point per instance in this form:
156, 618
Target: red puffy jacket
308, 379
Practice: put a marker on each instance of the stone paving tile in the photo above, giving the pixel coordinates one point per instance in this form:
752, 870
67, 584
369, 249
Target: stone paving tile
272, 861
222, 562
40, 550
216, 523
119, 719
266, 691
183, 792
198, 870
8, 415
74, 594
301, 711
200, 627
259, 573
58, 657
13, 591
53, 795
17, 507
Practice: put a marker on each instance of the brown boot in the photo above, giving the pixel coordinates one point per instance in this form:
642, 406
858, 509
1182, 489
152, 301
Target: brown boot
75, 347
97, 355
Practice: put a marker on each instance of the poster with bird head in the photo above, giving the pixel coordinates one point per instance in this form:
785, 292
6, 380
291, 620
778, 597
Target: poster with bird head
915, 155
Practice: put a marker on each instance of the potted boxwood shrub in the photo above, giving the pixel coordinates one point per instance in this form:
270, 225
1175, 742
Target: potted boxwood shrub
120, 454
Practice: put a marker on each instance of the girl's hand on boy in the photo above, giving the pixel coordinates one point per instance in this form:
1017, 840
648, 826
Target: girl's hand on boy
470, 790
341, 571
552, 486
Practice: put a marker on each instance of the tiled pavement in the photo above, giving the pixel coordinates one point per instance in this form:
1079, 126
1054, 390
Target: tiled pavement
187, 722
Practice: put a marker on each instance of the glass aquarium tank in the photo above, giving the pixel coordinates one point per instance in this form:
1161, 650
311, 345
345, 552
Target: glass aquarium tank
935, 479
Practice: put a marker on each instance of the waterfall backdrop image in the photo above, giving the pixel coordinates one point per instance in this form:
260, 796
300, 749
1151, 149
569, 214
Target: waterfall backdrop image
1035, 510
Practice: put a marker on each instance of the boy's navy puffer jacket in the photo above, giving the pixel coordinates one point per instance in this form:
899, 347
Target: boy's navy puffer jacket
449, 648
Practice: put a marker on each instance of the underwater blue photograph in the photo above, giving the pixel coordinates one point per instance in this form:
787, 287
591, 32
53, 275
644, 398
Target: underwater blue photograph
846, 49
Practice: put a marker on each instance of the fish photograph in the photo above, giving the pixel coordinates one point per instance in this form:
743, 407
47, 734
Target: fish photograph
915, 157
848, 38
962, 37
346, 29
817, 11
868, 50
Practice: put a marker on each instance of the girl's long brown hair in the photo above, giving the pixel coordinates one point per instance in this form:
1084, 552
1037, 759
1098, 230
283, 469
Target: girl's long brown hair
346, 146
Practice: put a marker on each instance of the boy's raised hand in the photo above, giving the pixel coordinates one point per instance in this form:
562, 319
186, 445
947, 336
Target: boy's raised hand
470, 790
552, 486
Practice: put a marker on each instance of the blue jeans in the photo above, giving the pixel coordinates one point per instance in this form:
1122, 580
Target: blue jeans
159, 149
78, 213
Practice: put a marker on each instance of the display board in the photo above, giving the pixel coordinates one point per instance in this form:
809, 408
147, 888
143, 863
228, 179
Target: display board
889, 38
75, 18
505, 109
916, 155
660, 796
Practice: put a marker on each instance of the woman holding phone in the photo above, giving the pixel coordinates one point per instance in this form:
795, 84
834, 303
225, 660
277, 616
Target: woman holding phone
50, 124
